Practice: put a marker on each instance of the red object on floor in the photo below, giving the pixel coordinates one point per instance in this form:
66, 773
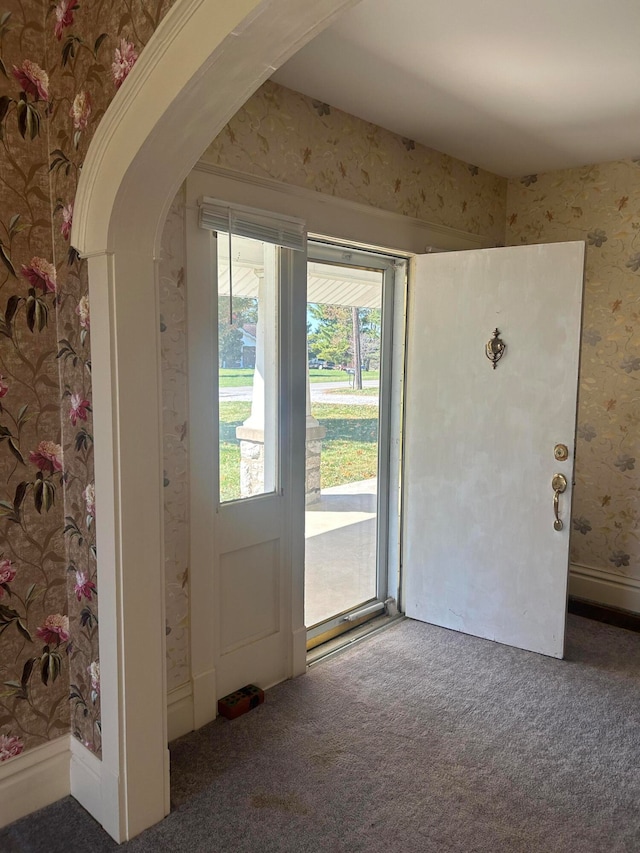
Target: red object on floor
238, 703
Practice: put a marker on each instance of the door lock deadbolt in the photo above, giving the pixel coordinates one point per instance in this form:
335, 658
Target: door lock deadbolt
561, 452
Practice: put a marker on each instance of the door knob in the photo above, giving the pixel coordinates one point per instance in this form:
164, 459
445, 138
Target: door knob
559, 485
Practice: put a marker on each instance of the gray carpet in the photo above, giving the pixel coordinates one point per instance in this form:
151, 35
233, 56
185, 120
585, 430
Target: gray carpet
419, 739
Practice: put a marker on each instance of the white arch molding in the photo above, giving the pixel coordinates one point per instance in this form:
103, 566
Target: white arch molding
203, 62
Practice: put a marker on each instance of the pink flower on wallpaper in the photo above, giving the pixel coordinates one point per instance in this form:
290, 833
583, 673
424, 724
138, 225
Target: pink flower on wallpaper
94, 674
79, 408
55, 629
81, 110
48, 457
7, 571
64, 16
33, 79
89, 495
124, 59
67, 221
82, 310
7, 574
84, 587
4, 388
10, 746
41, 273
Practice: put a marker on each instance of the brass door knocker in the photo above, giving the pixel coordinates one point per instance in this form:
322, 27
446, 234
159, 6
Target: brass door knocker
495, 348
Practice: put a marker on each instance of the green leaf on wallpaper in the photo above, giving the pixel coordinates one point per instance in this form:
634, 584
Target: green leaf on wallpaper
32, 593
6, 260
12, 306
23, 417
42, 314
13, 447
9, 616
3, 67
31, 313
98, 42
37, 313
59, 160
28, 119
21, 491
22, 629
15, 226
15, 691
88, 619
83, 440
27, 669
50, 665
48, 495
69, 48
37, 494
5, 103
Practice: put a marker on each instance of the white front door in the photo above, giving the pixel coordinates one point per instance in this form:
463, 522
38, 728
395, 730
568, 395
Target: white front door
482, 552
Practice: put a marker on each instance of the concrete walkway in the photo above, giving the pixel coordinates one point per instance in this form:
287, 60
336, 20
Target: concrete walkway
340, 555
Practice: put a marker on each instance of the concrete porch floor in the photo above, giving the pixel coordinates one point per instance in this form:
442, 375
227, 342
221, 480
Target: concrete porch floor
340, 564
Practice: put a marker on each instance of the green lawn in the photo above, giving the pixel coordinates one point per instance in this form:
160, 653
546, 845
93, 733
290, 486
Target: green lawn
243, 376
349, 451
364, 392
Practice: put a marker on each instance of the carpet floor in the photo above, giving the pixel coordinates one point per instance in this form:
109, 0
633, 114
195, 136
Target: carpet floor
419, 739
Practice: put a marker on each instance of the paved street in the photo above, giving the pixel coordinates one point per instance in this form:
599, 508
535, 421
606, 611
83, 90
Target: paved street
320, 393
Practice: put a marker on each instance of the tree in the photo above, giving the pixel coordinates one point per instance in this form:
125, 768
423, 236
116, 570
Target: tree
331, 339
245, 311
335, 328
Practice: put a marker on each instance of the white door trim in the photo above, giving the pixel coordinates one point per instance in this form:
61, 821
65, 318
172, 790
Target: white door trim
202, 63
336, 218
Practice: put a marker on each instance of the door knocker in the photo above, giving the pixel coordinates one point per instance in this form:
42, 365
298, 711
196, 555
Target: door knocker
495, 348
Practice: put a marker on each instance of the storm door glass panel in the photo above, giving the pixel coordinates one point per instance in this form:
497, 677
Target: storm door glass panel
247, 372
344, 349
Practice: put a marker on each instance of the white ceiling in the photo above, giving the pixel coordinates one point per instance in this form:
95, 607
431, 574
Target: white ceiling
513, 86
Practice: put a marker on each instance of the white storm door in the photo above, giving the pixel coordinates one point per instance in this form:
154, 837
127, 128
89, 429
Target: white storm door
481, 553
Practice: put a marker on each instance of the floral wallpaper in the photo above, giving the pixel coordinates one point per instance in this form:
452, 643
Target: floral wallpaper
601, 205
60, 65
287, 136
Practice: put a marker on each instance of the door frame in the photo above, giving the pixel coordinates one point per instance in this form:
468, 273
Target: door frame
204, 61
393, 269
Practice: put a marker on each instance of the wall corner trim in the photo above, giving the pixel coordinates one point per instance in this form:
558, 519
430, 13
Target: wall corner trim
179, 711
34, 779
604, 587
85, 774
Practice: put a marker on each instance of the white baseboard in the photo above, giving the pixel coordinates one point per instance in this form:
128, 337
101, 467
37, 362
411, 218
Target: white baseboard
86, 779
179, 712
205, 704
602, 587
34, 779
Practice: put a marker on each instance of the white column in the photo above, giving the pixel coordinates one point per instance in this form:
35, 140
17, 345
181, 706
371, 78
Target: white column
259, 433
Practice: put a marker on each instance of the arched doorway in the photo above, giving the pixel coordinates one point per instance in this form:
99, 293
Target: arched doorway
202, 63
